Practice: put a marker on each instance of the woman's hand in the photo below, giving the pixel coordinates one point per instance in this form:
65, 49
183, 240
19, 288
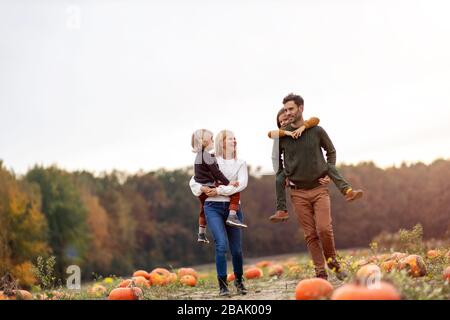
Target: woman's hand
205, 189
297, 133
234, 183
212, 192
325, 180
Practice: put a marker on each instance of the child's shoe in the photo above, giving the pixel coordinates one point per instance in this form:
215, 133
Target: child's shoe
235, 222
280, 215
352, 195
202, 238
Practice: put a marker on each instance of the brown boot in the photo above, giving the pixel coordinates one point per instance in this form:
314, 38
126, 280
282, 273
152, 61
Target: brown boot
322, 275
352, 195
334, 265
280, 215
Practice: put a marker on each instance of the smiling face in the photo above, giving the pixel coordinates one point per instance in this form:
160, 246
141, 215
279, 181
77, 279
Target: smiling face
226, 145
293, 112
230, 142
283, 119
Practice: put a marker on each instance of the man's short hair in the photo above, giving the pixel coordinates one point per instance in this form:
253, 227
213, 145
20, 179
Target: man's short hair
298, 100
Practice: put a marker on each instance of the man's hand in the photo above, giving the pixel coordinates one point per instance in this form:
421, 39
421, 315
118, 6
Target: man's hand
298, 132
325, 180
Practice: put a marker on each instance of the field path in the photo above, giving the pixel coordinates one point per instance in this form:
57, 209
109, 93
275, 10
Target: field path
262, 289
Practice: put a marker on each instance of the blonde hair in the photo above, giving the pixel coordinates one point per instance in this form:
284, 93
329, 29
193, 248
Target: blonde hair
199, 139
220, 144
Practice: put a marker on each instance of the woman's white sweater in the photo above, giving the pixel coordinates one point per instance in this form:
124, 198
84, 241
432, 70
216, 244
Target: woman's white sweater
233, 170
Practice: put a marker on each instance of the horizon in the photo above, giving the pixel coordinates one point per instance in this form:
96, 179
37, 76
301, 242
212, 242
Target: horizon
253, 172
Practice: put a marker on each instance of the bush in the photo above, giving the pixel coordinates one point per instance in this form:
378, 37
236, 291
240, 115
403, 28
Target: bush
409, 241
44, 272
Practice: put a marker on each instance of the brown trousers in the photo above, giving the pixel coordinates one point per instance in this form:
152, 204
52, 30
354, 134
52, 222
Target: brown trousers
313, 210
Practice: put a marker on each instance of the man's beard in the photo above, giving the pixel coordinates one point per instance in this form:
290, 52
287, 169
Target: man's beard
295, 118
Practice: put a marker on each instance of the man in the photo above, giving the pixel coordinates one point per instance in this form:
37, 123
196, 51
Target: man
306, 169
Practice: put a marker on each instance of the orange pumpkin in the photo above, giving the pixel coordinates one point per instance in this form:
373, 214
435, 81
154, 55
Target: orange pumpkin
187, 271
352, 291
369, 270
276, 270
188, 280
157, 279
172, 278
431, 254
3, 296
161, 271
16, 295
133, 293
264, 264
414, 264
313, 289
231, 277
141, 282
141, 273
96, 291
125, 283
253, 273
446, 274
389, 265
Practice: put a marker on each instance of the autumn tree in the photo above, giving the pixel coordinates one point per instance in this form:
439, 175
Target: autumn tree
66, 215
23, 228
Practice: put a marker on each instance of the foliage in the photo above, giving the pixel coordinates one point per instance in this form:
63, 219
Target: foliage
44, 271
410, 241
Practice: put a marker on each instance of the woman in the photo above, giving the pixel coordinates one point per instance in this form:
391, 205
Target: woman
216, 211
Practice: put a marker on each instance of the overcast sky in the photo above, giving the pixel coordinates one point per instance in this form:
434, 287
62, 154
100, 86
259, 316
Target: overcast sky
99, 85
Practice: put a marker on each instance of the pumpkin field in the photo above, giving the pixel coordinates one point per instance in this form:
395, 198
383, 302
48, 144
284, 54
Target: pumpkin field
372, 276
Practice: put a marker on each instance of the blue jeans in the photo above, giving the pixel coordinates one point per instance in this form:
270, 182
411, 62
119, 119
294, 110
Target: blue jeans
224, 236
